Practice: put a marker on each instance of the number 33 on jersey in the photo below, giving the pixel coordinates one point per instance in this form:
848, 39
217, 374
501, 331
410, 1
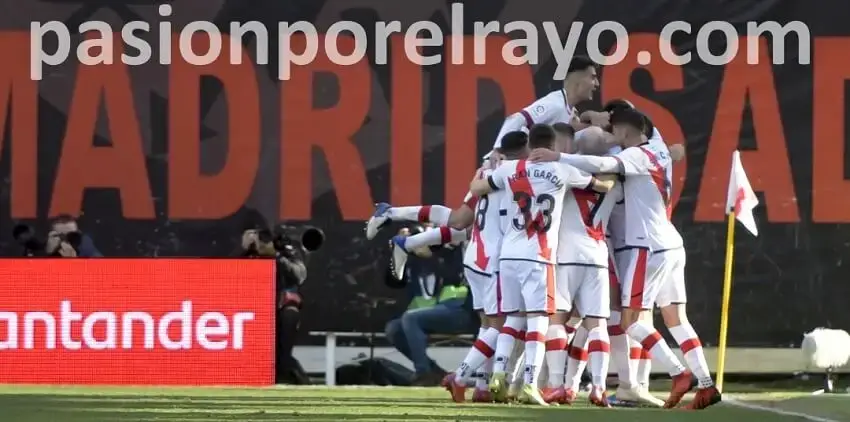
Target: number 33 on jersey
534, 199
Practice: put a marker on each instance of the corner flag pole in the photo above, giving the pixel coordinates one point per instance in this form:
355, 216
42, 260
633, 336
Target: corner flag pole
727, 293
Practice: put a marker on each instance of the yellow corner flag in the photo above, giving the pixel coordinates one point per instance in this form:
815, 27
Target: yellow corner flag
740, 201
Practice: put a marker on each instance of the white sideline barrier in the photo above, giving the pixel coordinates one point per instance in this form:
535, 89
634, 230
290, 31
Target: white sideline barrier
325, 359
307, 355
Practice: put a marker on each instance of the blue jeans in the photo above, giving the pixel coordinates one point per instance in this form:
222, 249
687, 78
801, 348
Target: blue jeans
409, 333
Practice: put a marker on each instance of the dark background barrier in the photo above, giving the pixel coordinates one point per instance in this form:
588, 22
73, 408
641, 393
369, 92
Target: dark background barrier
266, 155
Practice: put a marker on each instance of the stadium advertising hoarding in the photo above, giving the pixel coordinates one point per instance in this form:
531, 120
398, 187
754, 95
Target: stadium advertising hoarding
137, 322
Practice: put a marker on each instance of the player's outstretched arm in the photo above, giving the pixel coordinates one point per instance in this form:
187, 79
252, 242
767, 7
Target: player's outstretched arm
513, 123
588, 163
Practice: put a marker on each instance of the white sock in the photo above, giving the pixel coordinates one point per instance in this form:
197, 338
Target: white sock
434, 236
620, 350
577, 360
482, 382
694, 355
644, 366
599, 351
513, 372
513, 330
556, 354
481, 350
436, 214
651, 339
535, 348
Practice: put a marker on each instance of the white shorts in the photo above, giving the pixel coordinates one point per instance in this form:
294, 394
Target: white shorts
526, 286
586, 286
484, 289
652, 278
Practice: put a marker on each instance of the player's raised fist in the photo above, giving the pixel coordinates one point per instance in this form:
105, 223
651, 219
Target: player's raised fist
543, 154
596, 118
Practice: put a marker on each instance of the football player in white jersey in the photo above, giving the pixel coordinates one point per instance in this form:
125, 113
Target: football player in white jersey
633, 362
655, 274
534, 205
559, 106
481, 260
582, 280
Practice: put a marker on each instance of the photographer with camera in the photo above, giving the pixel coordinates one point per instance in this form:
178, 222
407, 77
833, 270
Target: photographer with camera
290, 253
66, 228
64, 240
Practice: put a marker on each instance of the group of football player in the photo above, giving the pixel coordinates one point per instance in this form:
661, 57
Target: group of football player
570, 248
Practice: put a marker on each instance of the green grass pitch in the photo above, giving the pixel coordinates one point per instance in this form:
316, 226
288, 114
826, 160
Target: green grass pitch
118, 404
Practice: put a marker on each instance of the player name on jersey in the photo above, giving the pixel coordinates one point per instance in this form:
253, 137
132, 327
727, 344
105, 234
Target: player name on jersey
537, 173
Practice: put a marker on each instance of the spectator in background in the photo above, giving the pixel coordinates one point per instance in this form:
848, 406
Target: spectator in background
440, 304
65, 227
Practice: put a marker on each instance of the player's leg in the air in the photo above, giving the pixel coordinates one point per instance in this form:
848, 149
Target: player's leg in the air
452, 228
438, 215
401, 246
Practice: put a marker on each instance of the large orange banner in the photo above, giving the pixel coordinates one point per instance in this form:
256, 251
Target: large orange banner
137, 321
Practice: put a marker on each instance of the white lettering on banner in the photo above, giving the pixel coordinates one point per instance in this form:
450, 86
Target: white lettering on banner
210, 331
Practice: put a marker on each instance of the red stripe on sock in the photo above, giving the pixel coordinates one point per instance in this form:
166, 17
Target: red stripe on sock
535, 336
645, 355
635, 353
690, 344
578, 354
424, 214
519, 335
599, 346
556, 344
616, 330
445, 235
484, 348
649, 342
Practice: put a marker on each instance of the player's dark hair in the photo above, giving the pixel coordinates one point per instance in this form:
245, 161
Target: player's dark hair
580, 64
649, 129
513, 142
541, 136
564, 129
630, 117
617, 104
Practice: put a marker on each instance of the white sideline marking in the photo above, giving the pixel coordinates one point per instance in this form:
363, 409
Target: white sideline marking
738, 403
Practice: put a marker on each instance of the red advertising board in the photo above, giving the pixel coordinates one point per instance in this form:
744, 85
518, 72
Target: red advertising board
137, 321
